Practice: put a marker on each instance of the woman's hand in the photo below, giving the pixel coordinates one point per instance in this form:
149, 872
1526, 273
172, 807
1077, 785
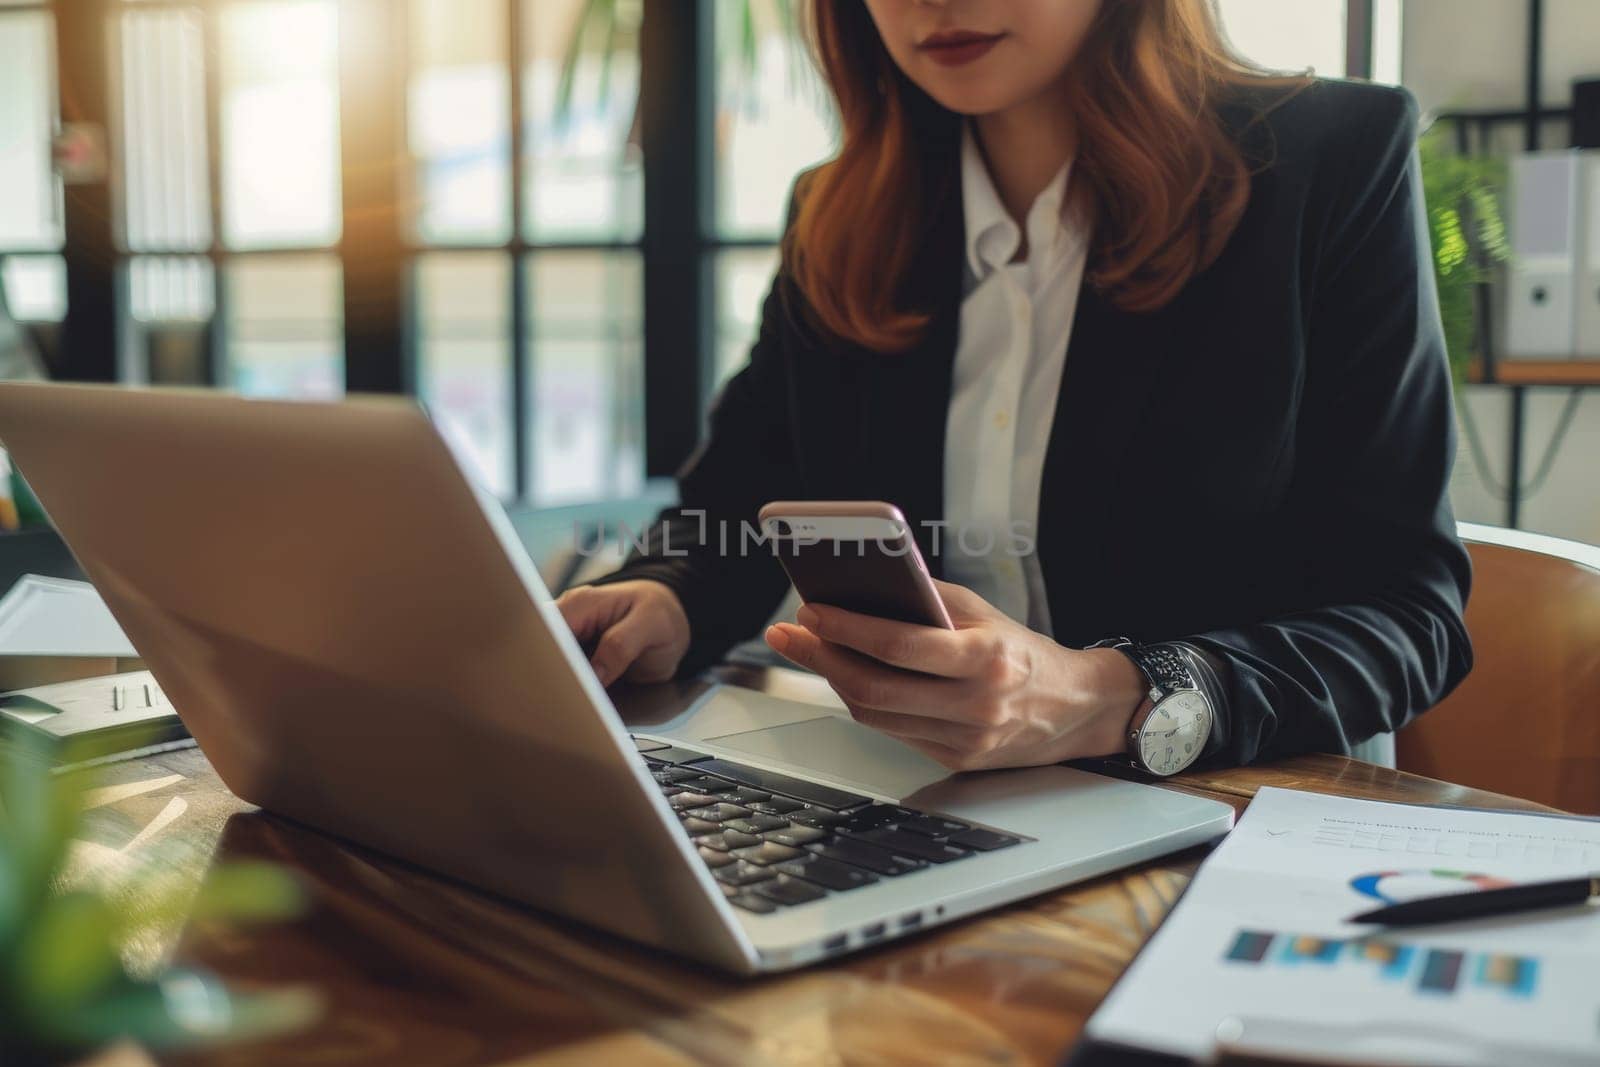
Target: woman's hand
990, 693
637, 629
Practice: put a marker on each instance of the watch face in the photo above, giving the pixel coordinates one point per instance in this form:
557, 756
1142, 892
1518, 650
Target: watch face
1171, 737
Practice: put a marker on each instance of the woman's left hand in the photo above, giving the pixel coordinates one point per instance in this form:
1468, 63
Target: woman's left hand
990, 693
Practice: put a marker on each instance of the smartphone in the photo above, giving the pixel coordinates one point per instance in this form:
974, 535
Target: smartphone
854, 554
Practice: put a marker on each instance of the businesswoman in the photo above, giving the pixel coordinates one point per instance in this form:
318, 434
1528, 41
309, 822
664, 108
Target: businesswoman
1075, 266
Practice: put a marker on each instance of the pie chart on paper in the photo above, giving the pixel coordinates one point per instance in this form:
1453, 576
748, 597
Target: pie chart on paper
1397, 887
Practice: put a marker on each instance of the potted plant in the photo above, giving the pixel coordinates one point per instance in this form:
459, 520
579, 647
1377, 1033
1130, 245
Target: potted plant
66, 987
1468, 235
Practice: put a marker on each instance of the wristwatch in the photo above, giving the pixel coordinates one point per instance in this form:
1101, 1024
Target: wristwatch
1170, 727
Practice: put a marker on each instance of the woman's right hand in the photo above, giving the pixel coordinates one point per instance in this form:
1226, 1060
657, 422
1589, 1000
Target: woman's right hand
636, 629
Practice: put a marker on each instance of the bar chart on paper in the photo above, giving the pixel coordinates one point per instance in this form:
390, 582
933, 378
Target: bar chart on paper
1391, 964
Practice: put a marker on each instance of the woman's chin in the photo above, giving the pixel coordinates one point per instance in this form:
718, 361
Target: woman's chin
972, 95
970, 101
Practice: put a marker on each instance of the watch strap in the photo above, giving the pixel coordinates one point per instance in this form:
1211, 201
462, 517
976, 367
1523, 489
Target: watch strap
1165, 667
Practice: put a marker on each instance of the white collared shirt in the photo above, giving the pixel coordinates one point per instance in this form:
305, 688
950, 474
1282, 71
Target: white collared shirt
1016, 319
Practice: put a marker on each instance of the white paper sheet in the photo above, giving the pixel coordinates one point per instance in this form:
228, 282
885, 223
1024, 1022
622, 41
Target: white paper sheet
57, 617
1259, 940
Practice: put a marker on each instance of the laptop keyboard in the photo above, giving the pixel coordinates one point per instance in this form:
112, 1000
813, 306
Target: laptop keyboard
773, 841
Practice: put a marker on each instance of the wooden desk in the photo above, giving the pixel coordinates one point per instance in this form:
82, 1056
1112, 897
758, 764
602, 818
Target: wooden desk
416, 970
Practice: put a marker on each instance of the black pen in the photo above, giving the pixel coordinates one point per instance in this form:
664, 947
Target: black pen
1531, 896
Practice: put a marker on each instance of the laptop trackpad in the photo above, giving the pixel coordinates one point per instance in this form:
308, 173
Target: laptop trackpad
838, 751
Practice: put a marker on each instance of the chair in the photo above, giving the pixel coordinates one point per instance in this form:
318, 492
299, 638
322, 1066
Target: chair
1526, 721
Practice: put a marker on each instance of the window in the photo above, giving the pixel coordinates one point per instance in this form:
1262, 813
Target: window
283, 319
246, 246
1388, 20
1290, 35
32, 274
458, 120
1297, 35
526, 333
586, 390
169, 286
463, 302
773, 118
280, 123
530, 331
743, 276
35, 287
584, 177
167, 207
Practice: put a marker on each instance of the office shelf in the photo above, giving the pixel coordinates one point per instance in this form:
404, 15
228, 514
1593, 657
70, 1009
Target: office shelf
1553, 372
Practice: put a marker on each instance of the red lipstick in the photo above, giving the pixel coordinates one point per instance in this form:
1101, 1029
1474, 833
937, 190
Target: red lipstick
954, 48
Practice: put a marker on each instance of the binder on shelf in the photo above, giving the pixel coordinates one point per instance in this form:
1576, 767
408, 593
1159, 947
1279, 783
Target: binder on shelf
1588, 276
1541, 313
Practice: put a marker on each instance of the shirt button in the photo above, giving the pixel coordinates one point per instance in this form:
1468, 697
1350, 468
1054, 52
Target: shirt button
1002, 419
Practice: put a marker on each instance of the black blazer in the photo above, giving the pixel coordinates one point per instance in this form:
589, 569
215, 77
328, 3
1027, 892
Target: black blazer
1259, 468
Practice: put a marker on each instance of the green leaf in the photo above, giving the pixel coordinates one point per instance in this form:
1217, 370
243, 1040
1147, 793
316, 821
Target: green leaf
595, 13
1492, 238
1467, 233
189, 1007
788, 18
1450, 244
67, 953
39, 816
608, 49
748, 51
130, 1010
13, 893
248, 892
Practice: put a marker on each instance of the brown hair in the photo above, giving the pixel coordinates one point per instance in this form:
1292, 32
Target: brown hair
1167, 181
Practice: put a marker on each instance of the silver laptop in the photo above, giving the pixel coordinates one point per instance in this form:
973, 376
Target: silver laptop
358, 641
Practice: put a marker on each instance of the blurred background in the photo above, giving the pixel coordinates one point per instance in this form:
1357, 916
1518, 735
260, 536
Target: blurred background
554, 220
